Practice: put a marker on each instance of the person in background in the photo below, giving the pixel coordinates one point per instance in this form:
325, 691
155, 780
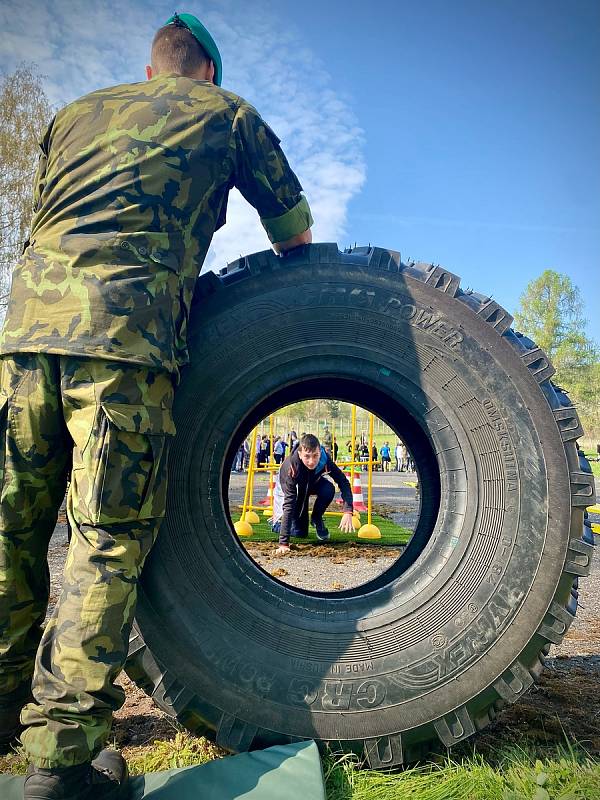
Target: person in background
385, 457
238, 461
374, 456
327, 441
264, 451
405, 455
257, 449
279, 449
363, 455
398, 455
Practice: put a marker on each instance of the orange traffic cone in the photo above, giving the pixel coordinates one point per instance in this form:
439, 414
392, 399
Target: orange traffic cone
268, 500
357, 495
348, 474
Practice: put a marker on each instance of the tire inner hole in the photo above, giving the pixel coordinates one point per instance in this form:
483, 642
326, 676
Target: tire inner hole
404, 498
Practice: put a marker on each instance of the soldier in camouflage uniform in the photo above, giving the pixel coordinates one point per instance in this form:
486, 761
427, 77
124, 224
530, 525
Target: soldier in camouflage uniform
132, 183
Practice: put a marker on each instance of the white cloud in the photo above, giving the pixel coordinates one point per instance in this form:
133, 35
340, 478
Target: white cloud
273, 69
81, 47
77, 46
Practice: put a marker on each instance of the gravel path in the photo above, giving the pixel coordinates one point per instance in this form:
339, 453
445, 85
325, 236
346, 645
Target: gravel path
324, 568
583, 637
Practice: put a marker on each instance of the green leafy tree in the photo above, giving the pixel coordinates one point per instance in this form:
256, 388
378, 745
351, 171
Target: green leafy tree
24, 113
298, 410
333, 407
551, 313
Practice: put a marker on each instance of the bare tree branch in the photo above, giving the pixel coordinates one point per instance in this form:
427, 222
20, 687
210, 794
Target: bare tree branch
24, 114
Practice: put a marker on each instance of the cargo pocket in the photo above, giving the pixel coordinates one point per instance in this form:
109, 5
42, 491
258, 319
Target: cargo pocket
128, 457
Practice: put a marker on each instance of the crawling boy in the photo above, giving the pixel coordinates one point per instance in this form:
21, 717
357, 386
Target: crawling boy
303, 474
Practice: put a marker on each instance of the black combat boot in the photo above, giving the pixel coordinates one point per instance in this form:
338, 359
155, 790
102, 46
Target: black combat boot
10, 712
104, 779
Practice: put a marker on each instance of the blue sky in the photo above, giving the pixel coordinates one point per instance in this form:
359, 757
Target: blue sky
462, 133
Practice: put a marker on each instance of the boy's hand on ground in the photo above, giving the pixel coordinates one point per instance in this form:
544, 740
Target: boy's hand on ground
346, 523
282, 549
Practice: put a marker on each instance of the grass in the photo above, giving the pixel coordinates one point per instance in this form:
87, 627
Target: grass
378, 439
184, 750
512, 774
518, 776
391, 534
595, 465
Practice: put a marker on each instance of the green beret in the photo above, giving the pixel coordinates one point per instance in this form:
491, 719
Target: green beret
203, 37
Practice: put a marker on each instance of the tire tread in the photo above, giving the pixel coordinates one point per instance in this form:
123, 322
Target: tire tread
389, 751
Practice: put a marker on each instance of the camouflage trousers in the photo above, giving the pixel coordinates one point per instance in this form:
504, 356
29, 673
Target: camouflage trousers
107, 425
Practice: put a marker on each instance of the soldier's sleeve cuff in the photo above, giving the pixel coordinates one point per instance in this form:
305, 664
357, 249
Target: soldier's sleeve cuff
297, 220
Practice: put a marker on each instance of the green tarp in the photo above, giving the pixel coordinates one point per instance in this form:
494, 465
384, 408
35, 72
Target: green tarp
290, 771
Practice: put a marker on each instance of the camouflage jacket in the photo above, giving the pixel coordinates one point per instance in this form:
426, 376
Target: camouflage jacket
132, 183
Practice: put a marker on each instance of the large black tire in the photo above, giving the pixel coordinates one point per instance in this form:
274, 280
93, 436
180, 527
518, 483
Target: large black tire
430, 650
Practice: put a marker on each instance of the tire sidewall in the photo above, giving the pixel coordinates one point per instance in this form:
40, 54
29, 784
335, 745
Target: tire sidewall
436, 637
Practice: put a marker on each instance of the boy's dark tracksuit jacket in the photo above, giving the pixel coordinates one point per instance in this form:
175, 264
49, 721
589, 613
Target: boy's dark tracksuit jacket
298, 482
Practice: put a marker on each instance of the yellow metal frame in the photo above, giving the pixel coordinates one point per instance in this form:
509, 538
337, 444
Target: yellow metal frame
370, 531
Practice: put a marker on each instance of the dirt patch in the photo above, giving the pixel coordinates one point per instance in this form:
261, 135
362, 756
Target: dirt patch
337, 552
140, 722
563, 707
587, 635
